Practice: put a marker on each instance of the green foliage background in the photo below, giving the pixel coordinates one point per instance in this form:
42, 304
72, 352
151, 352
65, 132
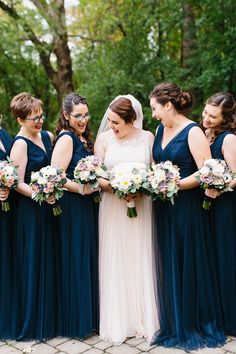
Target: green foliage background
125, 46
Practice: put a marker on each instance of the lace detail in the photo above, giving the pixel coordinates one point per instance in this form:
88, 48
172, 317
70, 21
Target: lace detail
135, 149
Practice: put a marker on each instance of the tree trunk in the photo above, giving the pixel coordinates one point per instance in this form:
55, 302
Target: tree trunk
188, 34
54, 14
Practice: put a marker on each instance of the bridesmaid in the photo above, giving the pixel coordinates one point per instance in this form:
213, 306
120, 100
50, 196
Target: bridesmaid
218, 119
34, 289
5, 248
77, 227
188, 298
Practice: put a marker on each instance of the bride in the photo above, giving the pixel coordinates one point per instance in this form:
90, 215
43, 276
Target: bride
127, 285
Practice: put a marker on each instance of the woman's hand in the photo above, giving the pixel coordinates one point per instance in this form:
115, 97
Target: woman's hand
4, 193
212, 193
133, 197
51, 200
88, 189
105, 185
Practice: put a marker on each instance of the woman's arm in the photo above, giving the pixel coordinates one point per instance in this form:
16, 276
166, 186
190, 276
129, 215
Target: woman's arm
229, 152
61, 156
150, 139
51, 136
200, 151
100, 148
19, 157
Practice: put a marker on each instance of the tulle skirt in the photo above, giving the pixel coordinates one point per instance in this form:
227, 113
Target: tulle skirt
126, 266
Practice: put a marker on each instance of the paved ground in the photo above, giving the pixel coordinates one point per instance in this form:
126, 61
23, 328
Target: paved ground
94, 345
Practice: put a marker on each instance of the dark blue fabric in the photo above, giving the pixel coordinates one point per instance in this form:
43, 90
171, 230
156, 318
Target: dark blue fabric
223, 220
6, 256
77, 251
189, 307
6, 141
35, 292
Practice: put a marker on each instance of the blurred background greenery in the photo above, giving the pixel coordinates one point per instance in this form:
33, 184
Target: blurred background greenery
103, 48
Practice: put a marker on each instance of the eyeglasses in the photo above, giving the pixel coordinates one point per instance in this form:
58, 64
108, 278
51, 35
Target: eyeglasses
81, 116
37, 119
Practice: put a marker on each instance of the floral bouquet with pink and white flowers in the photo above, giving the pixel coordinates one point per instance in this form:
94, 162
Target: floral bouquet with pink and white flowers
163, 181
47, 182
214, 173
8, 179
88, 170
128, 178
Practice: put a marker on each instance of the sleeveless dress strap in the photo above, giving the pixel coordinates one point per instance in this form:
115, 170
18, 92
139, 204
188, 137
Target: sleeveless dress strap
47, 142
21, 138
6, 140
71, 134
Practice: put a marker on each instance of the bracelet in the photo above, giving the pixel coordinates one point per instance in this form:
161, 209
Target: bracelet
81, 188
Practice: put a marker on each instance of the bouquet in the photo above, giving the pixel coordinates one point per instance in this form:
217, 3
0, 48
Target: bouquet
128, 178
214, 173
8, 179
48, 181
88, 170
163, 181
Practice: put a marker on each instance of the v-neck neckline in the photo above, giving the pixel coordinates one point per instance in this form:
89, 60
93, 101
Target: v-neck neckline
2, 143
174, 137
43, 149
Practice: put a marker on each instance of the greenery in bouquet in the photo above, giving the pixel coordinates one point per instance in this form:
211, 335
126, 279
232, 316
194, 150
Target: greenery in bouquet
8, 179
214, 173
47, 182
163, 181
126, 179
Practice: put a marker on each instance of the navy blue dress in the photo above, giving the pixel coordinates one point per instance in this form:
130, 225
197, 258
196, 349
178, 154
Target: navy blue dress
35, 293
6, 255
189, 306
77, 247
223, 221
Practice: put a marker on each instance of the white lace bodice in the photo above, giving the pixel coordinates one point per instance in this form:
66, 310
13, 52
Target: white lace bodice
136, 149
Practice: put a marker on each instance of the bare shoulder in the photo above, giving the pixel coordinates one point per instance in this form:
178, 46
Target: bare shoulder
64, 137
65, 143
20, 144
229, 142
50, 135
230, 139
148, 135
196, 132
103, 137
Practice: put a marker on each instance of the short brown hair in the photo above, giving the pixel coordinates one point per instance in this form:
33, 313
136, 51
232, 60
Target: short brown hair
23, 104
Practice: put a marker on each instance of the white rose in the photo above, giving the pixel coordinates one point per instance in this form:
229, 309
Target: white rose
99, 171
160, 175
218, 170
42, 180
9, 170
35, 175
218, 181
137, 180
84, 175
211, 162
204, 171
154, 183
49, 171
171, 186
